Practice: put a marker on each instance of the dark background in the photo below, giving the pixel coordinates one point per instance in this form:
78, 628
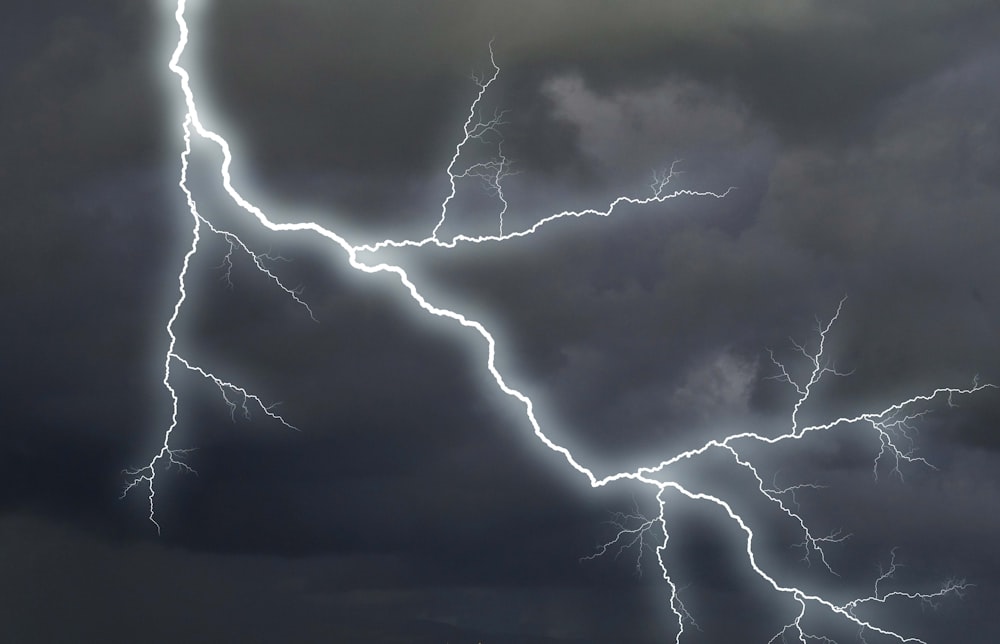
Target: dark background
414, 506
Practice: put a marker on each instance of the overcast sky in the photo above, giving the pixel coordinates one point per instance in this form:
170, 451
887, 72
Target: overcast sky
414, 504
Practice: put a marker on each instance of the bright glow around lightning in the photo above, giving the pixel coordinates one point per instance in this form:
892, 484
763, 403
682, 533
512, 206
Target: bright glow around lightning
891, 425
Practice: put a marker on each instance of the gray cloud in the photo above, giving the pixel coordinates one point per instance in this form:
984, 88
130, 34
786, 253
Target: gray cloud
862, 140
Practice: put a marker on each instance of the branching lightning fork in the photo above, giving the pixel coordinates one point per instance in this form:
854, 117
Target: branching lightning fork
890, 425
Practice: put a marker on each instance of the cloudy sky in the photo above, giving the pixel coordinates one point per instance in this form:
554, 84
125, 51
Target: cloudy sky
414, 505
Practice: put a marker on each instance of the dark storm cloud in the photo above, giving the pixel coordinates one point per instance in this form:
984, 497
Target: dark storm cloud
202, 598
685, 306
668, 97
82, 99
79, 129
808, 69
862, 139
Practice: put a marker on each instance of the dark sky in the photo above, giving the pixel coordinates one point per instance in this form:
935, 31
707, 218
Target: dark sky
414, 505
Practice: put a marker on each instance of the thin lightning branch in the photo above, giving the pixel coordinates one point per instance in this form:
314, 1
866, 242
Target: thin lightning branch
258, 260
810, 543
491, 173
820, 368
168, 456
892, 425
632, 529
474, 128
659, 195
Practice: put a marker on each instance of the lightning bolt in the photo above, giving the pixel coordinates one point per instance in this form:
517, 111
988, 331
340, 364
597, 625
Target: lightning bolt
891, 425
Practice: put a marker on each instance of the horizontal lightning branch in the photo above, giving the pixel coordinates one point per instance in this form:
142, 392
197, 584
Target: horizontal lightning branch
891, 425
659, 195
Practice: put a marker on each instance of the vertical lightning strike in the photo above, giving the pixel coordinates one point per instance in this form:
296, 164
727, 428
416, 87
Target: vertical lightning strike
169, 456
477, 129
891, 425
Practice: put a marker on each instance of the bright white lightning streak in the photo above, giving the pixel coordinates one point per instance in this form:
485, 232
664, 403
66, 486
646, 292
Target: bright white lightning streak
890, 424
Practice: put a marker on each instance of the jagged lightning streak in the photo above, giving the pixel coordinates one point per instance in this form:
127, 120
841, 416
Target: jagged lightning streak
168, 455
890, 424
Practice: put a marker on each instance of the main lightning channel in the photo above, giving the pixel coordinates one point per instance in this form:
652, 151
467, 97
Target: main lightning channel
350, 251
889, 424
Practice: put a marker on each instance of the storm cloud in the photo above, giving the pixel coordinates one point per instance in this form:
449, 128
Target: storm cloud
862, 142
